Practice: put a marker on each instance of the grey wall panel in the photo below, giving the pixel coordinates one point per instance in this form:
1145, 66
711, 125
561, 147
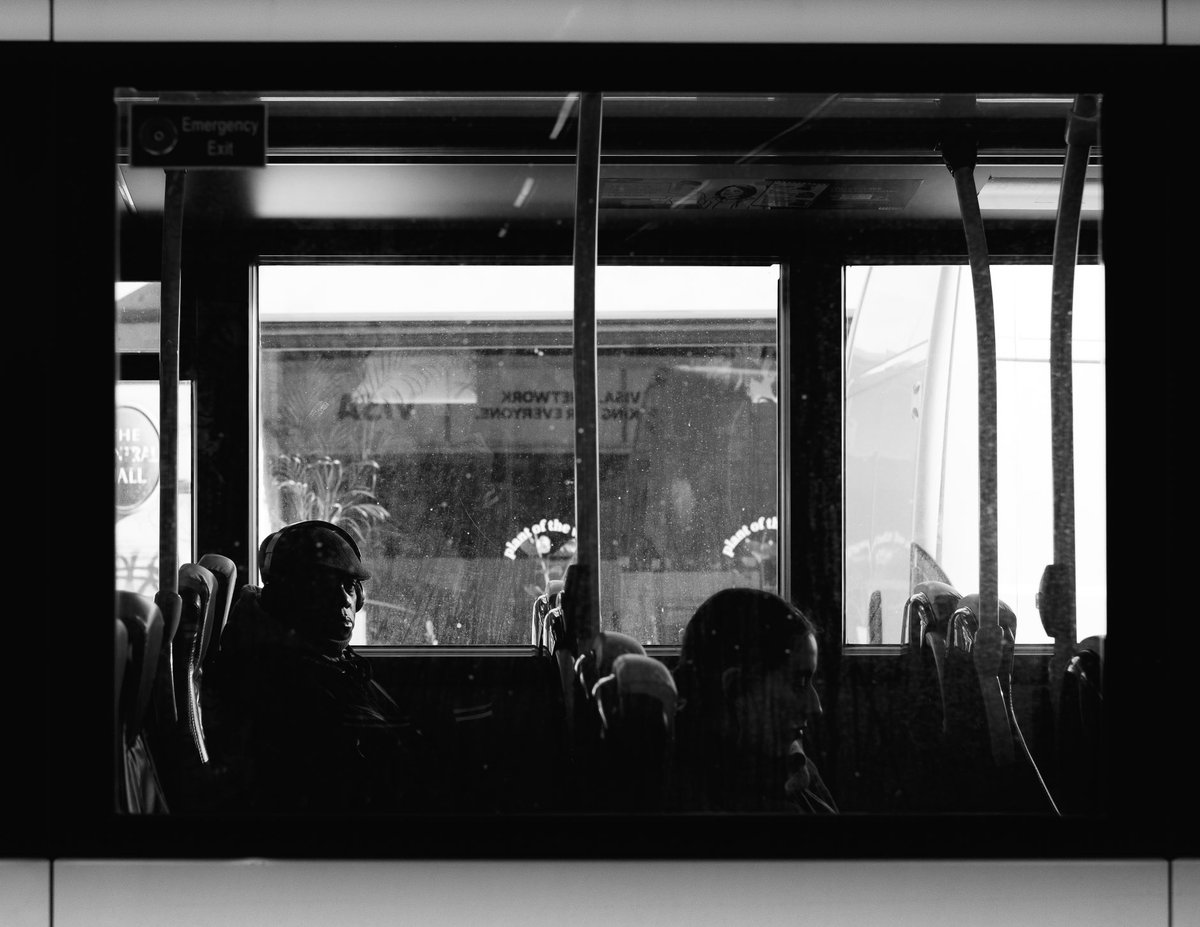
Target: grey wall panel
199, 893
25, 21
1183, 22
865, 21
1185, 893
25, 893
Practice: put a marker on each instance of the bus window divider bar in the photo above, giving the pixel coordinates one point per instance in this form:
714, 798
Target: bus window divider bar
587, 456
168, 396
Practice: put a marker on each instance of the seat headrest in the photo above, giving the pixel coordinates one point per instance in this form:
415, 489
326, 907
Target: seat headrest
928, 610
965, 621
198, 588
609, 645
638, 674
225, 571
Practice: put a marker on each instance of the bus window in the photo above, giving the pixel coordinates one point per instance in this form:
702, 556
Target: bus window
689, 447
912, 490
136, 470
137, 485
429, 409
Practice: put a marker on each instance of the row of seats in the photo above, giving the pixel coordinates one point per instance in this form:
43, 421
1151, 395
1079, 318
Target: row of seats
620, 706
961, 717
162, 651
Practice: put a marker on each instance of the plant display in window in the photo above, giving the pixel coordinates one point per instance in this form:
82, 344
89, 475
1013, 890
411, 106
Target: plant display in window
327, 489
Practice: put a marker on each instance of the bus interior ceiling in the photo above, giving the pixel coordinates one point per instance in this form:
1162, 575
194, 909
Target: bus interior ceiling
841, 172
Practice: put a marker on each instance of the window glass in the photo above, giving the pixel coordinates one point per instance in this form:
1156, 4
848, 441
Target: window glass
911, 451
689, 404
429, 409
136, 476
139, 307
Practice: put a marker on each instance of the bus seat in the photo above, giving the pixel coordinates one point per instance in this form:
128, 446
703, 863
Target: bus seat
198, 589
965, 626
928, 611
1082, 753
141, 791
636, 704
225, 572
923, 634
120, 668
644, 683
164, 708
983, 747
598, 662
180, 749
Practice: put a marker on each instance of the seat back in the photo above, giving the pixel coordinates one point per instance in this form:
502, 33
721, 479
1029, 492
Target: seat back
120, 668
224, 571
198, 590
1081, 729
165, 712
645, 691
597, 664
921, 729
140, 789
143, 623
636, 702
925, 635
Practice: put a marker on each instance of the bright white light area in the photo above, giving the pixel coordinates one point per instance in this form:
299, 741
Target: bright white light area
378, 292
1034, 194
124, 288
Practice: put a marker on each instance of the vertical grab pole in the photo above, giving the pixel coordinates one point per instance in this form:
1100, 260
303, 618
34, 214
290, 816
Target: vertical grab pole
587, 455
960, 152
1056, 598
168, 385
981, 281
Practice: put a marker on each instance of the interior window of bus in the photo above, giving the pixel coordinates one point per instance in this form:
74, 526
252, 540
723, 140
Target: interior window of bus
429, 409
911, 449
138, 432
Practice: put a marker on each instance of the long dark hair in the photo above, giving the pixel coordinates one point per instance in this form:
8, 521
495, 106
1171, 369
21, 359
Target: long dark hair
752, 629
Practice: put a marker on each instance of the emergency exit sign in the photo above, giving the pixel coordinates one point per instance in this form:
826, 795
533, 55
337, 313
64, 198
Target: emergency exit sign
198, 136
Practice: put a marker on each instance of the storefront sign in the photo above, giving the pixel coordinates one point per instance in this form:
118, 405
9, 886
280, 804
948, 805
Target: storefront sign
137, 458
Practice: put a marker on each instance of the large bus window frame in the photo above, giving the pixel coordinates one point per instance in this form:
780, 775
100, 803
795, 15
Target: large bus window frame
1136, 238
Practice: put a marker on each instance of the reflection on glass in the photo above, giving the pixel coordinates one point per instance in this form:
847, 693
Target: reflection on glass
137, 484
443, 438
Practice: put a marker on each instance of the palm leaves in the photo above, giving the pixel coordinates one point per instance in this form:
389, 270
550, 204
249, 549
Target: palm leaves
326, 488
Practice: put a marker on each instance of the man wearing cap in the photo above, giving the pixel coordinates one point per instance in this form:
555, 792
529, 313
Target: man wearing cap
303, 724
